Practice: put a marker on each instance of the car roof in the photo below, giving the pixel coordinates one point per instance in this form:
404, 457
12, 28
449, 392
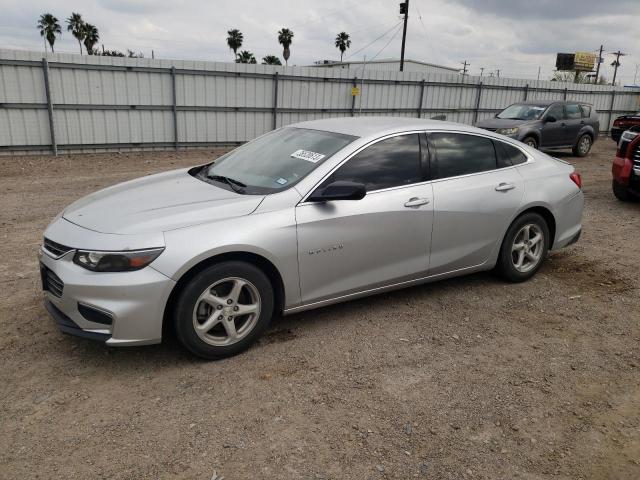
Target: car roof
378, 126
546, 103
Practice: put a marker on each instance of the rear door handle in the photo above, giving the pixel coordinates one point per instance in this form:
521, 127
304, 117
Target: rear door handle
504, 187
416, 202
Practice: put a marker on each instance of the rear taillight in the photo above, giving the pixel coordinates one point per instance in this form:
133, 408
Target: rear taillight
576, 178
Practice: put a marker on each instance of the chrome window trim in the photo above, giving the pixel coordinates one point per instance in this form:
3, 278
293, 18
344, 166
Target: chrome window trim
530, 159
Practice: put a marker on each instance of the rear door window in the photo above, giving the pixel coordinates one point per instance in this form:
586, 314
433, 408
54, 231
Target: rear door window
573, 111
586, 111
461, 154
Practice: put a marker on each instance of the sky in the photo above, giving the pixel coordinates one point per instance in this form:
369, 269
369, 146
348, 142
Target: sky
515, 36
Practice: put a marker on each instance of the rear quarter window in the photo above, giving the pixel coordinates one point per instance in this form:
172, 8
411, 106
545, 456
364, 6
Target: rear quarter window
586, 111
508, 155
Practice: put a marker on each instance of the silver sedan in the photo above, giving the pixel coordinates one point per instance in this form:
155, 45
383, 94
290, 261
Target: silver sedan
304, 216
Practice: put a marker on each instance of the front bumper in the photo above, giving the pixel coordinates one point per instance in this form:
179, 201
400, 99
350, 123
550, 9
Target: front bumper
134, 301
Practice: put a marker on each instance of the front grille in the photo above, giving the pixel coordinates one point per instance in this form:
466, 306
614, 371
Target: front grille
51, 282
636, 159
56, 249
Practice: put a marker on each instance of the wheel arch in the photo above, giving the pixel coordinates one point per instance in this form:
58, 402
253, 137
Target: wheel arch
272, 272
545, 213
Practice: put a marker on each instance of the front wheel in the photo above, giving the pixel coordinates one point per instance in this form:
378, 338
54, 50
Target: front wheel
583, 146
224, 309
524, 248
531, 141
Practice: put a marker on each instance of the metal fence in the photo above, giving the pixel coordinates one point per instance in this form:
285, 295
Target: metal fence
72, 103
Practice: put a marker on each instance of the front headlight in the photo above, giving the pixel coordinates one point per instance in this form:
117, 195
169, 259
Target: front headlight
507, 131
627, 136
116, 261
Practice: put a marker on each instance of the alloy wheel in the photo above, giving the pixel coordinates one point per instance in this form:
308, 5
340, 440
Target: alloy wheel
227, 311
527, 248
584, 145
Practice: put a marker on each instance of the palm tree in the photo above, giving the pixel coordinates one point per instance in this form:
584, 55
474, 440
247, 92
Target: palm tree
271, 60
49, 28
285, 37
234, 40
75, 25
91, 37
342, 43
245, 57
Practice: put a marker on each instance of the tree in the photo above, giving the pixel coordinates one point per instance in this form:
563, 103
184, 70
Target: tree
91, 37
342, 43
75, 25
234, 40
285, 37
570, 77
49, 28
271, 60
245, 57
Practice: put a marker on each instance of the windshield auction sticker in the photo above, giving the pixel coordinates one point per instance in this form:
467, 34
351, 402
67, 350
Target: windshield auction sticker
312, 157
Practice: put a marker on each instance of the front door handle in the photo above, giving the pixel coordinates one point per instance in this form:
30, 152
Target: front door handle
416, 202
504, 187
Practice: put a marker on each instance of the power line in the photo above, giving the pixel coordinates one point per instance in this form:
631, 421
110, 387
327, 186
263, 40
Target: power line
374, 41
387, 44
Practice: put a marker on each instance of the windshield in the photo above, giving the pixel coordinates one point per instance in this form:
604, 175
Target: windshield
274, 161
522, 112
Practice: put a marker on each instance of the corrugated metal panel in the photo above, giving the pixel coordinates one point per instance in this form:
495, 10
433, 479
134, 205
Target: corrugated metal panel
109, 100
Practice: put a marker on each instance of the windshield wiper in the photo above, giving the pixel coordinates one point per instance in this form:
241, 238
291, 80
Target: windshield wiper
235, 185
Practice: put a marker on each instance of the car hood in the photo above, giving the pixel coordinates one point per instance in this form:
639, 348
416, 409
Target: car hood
503, 123
158, 203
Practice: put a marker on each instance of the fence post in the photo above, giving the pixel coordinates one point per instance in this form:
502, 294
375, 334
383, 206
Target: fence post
275, 100
47, 89
478, 97
353, 97
175, 107
421, 98
526, 92
613, 99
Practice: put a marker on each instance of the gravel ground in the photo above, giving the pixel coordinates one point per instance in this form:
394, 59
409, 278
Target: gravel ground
463, 379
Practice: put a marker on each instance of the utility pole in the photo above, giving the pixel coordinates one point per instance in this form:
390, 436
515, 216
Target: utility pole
539, 67
498, 73
635, 76
404, 9
464, 69
615, 64
481, 70
599, 62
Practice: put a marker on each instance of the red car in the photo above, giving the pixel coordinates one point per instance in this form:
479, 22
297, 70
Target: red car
626, 165
623, 123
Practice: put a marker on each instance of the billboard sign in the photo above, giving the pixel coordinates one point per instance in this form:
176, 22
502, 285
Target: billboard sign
584, 61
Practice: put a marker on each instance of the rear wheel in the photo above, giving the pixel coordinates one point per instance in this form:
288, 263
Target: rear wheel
583, 146
620, 191
524, 248
224, 309
531, 141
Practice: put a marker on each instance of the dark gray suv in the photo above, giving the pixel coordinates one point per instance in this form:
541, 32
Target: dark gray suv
548, 125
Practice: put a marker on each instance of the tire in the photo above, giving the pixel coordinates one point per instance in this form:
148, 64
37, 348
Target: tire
621, 192
583, 145
214, 296
531, 141
509, 256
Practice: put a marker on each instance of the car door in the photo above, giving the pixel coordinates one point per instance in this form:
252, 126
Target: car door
349, 246
553, 133
474, 199
574, 123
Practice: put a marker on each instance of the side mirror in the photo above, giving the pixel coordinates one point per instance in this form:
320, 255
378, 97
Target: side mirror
340, 190
550, 119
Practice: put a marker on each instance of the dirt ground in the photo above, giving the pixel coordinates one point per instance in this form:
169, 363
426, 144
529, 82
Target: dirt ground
469, 378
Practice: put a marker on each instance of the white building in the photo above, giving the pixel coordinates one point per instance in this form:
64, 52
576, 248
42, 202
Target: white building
389, 65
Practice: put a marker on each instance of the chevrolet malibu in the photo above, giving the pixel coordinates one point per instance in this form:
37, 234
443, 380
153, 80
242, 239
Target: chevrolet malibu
308, 215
